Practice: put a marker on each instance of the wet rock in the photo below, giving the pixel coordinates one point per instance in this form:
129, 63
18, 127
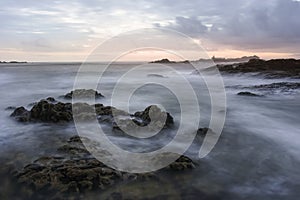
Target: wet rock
182, 163
277, 68
83, 94
281, 85
149, 120
51, 99
67, 174
248, 94
21, 114
154, 114
49, 112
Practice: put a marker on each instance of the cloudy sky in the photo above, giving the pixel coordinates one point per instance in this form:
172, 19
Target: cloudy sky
54, 30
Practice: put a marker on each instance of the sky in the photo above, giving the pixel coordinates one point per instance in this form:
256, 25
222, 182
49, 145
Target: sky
56, 30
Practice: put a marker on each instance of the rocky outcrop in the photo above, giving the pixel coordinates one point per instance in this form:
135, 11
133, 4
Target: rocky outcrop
280, 85
151, 119
74, 171
52, 111
250, 94
154, 114
276, 68
83, 94
163, 61
45, 111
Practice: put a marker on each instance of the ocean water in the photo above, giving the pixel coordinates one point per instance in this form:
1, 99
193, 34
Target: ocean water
256, 157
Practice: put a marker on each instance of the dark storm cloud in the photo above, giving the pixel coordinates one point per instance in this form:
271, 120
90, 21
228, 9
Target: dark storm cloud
252, 25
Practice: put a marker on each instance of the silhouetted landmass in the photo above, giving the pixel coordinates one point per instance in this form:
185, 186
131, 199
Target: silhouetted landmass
13, 62
165, 61
275, 68
242, 59
214, 59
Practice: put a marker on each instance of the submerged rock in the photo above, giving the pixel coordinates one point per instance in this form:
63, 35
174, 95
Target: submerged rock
248, 94
156, 76
10, 108
281, 85
83, 94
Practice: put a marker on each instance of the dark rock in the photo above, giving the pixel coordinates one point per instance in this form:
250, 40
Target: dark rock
51, 99
182, 163
21, 114
10, 108
154, 114
151, 119
277, 67
48, 112
280, 85
83, 93
70, 175
202, 131
164, 61
275, 88
45, 111
248, 94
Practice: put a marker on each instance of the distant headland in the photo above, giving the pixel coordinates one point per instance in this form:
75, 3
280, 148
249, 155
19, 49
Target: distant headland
214, 59
12, 62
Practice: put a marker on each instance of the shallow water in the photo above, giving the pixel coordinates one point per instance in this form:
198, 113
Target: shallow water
257, 156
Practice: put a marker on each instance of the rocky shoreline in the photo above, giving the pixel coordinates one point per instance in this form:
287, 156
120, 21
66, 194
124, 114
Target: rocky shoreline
72, 170
276, 68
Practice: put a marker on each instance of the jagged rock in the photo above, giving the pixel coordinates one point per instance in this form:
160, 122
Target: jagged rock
67, 174
51, 99
21, 114
83, 93
151, 119
154, 113
182, 163
45, 111
49, 112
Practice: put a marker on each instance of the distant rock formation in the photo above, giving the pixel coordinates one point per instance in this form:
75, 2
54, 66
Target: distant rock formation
275, 68
165, 60
248, 94
242, 59
13, 62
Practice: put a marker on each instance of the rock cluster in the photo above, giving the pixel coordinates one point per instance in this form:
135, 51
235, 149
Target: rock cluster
52, 111
73, 170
